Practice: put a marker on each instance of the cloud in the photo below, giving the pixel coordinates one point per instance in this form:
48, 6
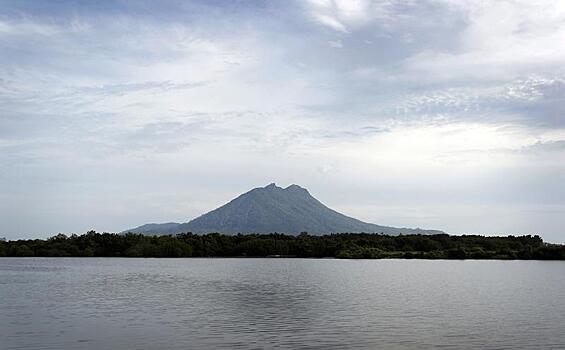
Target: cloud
502, 39
494, 103
547, 146
348, 15
337, 44
166, 111
331, 22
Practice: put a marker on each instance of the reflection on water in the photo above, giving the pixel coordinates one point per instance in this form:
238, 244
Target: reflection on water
280, 303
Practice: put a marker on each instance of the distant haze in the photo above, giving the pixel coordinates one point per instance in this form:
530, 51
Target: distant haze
446, 114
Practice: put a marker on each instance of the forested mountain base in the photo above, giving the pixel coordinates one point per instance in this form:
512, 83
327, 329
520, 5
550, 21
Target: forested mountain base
354, 246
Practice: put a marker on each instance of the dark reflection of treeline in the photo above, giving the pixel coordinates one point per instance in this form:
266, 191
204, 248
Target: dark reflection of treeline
369, 246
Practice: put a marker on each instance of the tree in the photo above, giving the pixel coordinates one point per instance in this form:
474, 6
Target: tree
22, 251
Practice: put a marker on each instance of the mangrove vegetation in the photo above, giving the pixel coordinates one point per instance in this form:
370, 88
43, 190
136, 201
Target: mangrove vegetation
345, 245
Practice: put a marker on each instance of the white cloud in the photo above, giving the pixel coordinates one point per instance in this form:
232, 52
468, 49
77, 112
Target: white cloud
502, 39
347, 15
331, 22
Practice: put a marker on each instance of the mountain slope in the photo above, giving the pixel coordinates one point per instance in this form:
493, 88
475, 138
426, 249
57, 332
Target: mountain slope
269, 209
151, 229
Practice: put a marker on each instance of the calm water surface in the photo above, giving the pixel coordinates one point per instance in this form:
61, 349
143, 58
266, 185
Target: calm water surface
280, 303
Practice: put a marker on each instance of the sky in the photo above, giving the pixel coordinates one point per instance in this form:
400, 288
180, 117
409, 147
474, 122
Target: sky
443, 114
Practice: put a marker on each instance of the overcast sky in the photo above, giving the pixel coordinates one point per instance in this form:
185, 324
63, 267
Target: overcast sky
445, 114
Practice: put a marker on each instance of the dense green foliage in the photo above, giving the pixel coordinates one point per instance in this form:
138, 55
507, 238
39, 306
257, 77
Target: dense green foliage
368, 246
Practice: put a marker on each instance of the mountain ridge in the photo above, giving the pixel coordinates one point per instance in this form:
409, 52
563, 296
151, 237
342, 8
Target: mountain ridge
270, 209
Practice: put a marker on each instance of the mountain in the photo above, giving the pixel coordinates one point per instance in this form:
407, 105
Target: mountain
156, 228
270, 209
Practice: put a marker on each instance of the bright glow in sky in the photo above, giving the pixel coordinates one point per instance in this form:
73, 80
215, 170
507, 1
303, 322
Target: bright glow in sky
444, 114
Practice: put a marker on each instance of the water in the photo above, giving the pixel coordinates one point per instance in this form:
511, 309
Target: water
280, 303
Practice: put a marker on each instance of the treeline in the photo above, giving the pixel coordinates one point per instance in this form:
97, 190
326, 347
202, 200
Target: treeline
356, 246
